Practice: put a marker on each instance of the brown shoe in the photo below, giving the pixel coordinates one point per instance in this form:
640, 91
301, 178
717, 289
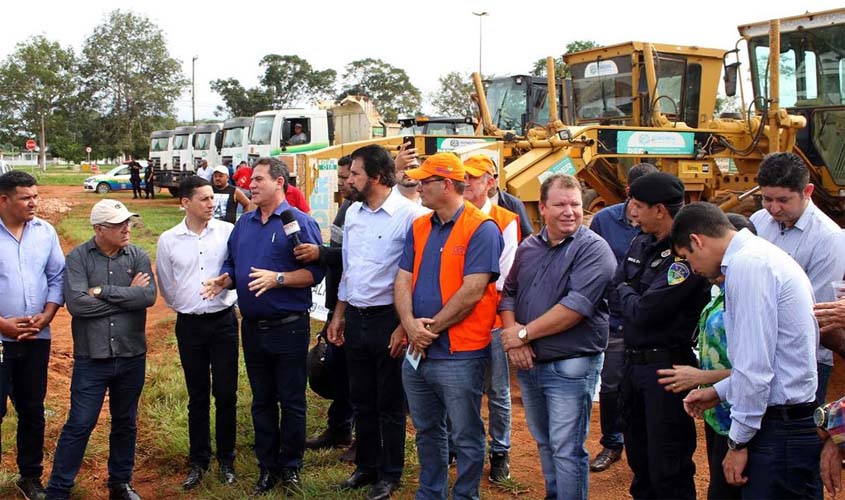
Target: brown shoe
605, 458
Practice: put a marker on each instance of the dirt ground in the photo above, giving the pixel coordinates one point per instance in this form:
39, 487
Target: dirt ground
525, 466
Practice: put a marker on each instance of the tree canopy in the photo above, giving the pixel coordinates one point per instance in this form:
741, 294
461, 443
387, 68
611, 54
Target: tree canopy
453, 96
561, 69
388, 86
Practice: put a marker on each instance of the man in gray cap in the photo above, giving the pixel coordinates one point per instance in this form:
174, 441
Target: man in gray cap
659, 300
108, 287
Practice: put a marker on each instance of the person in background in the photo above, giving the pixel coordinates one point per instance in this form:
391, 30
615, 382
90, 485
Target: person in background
298, 136
791, 221
203, 170
715, 366
206, 330
773, 450
405, 159
294, 196
31, 278
616, 225
149, 180
227, 197
135, 178
242, 178
108, 287
340, 413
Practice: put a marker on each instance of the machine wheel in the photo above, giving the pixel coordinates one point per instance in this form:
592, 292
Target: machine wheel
103, 188
174, 191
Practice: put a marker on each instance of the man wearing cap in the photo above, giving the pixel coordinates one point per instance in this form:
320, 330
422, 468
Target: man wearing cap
659, 300
555, 317
274, 295
206, 330
448, 321
617, 227
226, 196
108, 287
512, 203
31, 278
365, 321
298, 136
204, 170
480, 178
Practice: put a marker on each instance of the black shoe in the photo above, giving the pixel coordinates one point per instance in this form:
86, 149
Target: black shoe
327, 439
350, 453
194, 477
31, 488
265, 483
227, 474
605, 459
358, 479
499, 466
123, 491
382, 490
290, 480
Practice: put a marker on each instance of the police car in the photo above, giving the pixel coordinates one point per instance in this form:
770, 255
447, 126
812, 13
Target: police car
116, 179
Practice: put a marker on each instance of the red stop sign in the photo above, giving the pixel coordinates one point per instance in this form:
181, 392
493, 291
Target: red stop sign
30, 145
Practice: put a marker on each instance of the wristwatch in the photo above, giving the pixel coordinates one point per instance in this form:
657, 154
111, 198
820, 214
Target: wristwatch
733, 445
280, 279
97, 291
522, 334
820, 417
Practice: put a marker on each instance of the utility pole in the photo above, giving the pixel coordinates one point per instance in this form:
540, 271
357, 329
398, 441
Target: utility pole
194, 90
480, 15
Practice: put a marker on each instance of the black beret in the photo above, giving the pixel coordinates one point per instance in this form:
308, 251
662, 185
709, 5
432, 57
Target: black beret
658, 187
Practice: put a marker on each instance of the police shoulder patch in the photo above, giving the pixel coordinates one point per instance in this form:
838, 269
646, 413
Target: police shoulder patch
678, 273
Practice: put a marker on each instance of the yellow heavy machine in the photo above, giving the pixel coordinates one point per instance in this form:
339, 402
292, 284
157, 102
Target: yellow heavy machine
636, 102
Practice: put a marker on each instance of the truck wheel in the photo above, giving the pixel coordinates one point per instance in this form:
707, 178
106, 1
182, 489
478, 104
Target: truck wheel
174, 191
103, 188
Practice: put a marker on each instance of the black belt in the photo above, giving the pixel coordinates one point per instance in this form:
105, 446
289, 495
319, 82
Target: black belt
370, 311
648, 356
211, 315
266, 324
791, 412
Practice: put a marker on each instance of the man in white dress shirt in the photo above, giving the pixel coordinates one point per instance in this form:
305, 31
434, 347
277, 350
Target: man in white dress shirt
206, 330
772, 337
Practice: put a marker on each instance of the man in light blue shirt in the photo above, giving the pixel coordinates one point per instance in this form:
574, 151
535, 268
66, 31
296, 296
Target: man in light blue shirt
791, 221
772, 335
31, 279
365, 320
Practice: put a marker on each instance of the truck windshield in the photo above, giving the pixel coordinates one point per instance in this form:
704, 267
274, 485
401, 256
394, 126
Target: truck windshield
180, 142
233, 137
202, 141
507, 100
262, 130
812, 67
159, 144
602, 88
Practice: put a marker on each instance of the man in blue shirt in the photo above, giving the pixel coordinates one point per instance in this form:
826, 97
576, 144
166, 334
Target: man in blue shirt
615, 224
31, 281
772, 336
274, 295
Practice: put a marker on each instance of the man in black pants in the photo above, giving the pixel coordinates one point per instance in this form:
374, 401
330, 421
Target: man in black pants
339, 430
659, 300
149, 180
135, 178
206, 330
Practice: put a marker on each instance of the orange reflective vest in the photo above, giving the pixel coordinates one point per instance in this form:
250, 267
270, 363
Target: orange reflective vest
503, 217
473, 332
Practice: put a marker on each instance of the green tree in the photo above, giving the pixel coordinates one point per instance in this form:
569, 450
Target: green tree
453, 96
292, 80
130, 79
35, 81
561, 68
238, 100
388, 86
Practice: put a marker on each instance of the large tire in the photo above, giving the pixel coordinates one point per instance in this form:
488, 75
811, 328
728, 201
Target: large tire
174, 191
103, 188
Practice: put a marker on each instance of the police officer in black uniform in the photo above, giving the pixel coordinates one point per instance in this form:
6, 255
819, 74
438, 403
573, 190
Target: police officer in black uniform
659, 299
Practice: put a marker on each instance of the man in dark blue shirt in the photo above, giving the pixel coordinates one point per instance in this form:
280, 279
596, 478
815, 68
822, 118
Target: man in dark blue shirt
615, 225
274, 296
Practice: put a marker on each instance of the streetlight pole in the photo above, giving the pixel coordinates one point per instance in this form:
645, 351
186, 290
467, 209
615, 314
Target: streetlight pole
480, 16
193, 91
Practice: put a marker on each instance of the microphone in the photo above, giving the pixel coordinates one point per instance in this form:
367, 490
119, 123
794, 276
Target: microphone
291, 227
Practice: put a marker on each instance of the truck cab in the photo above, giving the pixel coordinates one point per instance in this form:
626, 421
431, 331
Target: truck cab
161, 148
272, 131
235, 146
437, 125
520, 102
206, 144
181, 160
